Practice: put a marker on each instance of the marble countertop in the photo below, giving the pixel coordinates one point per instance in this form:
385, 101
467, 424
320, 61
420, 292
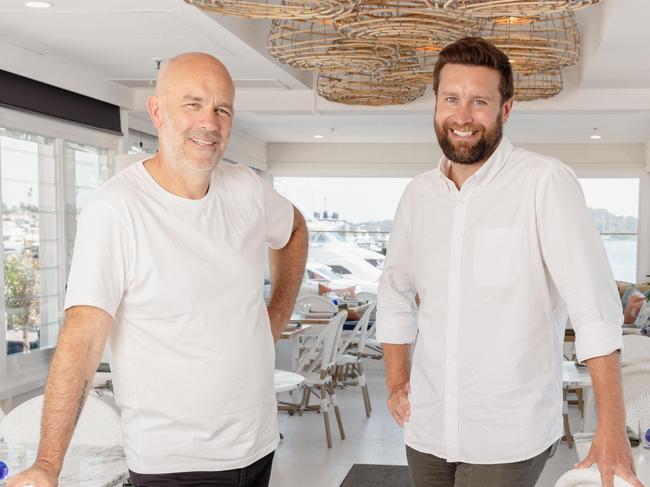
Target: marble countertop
90, 466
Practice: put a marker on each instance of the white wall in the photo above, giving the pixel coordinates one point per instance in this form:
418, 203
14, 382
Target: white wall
64, 75
407, 160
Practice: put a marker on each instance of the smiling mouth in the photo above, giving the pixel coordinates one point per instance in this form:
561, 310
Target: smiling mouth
203, 143
463, 133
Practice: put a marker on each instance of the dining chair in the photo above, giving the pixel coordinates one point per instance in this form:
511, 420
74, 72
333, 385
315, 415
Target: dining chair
636, 381
317, 364
636, 349
586, 477
99, 424
350, 360
637, 409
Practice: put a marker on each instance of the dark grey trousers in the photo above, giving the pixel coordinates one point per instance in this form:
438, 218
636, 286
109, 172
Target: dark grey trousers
430, 471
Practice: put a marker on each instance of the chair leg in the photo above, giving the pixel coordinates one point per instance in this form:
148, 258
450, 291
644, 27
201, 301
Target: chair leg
337, 411
326, 416
581, 402
565, 418
364, 389
306, 391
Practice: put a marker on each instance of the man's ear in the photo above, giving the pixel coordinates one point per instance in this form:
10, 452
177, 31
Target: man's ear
153, 107
506, 109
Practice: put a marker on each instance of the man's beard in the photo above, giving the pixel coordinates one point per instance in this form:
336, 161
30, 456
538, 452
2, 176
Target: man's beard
470, 154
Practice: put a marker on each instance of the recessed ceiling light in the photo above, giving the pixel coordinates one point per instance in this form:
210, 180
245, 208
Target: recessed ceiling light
318, 136
38, 4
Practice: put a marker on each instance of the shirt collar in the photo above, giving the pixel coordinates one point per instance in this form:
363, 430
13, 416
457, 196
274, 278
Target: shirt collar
487, 171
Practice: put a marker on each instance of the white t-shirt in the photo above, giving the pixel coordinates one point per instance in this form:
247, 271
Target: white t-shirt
192, 351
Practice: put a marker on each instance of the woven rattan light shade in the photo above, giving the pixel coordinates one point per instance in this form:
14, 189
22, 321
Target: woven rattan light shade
412, 66
544, 44
358, 89
538, 86
406, 22
276, 9
511, 8
319, 46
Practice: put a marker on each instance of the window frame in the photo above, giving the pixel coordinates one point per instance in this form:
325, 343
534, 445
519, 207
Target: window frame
20, 373
628, 171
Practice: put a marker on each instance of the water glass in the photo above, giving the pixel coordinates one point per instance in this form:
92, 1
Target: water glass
644, 431
13, 459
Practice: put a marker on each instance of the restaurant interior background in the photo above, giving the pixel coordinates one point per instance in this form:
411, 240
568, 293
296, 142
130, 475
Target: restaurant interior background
343, 165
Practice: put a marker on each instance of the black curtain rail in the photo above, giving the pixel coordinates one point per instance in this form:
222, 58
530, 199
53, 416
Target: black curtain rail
33, 96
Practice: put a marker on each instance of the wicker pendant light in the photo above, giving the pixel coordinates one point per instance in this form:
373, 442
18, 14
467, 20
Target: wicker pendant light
413, 65
367, 90
538, 86
276, 9
510, 8
406, 22
318, 45
541, 44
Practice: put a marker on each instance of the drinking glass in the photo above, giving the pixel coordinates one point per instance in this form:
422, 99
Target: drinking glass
13, 459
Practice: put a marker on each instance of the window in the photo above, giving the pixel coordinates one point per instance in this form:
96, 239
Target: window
614, 204
30, 237
86, 170
349, 221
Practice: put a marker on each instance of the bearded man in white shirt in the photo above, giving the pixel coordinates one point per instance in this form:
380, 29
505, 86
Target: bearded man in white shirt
497, 248
168, 262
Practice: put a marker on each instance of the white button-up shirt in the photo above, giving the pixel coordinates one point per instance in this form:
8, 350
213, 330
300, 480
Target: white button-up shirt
497, 265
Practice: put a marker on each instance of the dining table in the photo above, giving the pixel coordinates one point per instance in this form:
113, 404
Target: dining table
577, 376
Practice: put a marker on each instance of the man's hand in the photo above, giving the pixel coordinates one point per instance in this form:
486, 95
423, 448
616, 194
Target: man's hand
611, 452
36, 476
398, 403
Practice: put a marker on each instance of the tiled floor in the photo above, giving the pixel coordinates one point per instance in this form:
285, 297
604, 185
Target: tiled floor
303, 458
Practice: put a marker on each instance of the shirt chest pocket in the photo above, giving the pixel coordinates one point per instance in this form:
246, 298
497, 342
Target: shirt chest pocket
497, 255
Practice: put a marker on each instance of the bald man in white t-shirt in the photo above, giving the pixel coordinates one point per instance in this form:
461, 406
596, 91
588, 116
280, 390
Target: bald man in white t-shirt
168, 264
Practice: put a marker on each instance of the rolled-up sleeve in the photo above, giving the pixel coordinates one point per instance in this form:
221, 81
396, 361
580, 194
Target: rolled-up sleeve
396, 310
576, 260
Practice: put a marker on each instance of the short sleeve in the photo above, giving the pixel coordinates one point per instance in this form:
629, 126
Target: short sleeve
99, 269
278, 215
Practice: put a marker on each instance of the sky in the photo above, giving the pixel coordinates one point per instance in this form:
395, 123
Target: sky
367, 199
355, 199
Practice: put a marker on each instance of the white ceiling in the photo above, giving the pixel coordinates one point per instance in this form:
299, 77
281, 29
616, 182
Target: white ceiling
609, 89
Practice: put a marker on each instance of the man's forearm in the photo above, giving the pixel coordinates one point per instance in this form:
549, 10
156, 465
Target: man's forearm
398, 365
605, 374
78, 352
287, 271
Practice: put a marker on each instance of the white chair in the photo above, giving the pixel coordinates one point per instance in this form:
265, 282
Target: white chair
350, 365
98, 425
317, 363
638, 408
636, 381
636, 349
317, 304
586, 477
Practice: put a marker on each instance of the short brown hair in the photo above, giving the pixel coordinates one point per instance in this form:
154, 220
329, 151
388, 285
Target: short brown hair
476, 51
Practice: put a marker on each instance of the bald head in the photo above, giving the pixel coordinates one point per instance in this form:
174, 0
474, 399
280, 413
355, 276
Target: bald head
191, 64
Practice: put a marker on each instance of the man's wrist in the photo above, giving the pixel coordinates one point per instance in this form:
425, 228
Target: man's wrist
48, 465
